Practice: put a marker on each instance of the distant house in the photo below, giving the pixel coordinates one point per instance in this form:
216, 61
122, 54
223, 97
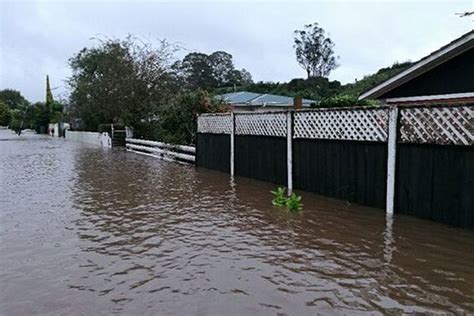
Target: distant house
250, 101
444, 76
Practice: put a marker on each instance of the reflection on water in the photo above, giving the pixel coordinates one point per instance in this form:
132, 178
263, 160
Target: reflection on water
92, 231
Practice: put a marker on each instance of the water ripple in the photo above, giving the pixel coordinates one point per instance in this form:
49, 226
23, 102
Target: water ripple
92, 231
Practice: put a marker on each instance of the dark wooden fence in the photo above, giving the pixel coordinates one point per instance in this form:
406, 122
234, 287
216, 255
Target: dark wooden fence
436, 182
213, 151
261, 157
352, 171
409, 160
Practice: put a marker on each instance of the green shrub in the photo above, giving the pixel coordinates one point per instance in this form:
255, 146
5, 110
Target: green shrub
279, 196
176, 122
345, 101
292, 202
5, 114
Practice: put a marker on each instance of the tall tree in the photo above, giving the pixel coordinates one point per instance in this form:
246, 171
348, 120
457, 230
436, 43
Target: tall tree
49, 94
314, 51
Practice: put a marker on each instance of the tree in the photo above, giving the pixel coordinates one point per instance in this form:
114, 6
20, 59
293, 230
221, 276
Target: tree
13, 99
121, 82
40, 115
5, 114
245, 77
176, 122
49, 94
222, 67
314, 51
198, 72
16, 119
202, 71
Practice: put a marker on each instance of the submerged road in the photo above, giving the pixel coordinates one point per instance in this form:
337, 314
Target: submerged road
91, 231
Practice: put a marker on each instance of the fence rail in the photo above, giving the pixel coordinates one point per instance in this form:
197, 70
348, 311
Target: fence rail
161, 150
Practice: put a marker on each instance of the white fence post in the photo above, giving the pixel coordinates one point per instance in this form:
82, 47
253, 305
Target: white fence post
392, 154
232, 138
289, 150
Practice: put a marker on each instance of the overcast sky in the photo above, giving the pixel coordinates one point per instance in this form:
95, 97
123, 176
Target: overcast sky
38, 37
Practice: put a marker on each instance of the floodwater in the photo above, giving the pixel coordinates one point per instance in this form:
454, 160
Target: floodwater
91, 231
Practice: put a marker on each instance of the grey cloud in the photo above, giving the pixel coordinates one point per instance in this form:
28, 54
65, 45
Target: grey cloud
38, 38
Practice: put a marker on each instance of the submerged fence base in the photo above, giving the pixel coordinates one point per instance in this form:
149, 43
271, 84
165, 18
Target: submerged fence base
411, 160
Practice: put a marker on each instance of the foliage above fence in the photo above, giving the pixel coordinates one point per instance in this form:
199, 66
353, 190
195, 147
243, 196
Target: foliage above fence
438, 125
434, 125
266, 124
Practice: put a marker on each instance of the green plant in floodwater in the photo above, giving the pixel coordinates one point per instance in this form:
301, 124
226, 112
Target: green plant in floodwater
293, 203
279, 196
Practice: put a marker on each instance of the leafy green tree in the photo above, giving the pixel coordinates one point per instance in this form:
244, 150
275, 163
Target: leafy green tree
245, 77
16, 118
5, 114
222, 67
176, 122
314, 51
13, 99
40, 115
120, 81
56, 109
197, 71
239, 78
202, 71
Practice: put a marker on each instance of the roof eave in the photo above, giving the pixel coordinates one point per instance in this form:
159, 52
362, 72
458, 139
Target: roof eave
425, 64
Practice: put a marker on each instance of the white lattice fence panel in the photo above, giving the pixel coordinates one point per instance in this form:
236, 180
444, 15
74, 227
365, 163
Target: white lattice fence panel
342, 124
264, 124
438, 125
214, 123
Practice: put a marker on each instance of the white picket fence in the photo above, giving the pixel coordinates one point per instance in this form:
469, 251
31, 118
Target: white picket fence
169, 152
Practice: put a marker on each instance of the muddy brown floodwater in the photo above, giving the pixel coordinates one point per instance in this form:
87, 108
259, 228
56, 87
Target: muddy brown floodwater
89, 231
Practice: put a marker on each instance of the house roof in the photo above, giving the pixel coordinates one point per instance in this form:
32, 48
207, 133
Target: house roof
445, 53
245, 98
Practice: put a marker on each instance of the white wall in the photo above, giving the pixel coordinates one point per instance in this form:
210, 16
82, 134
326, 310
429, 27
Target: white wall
93, 138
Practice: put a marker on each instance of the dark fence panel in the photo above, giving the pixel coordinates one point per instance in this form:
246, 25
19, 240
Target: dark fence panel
261, 157
436, 182
349, 170
213, 151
